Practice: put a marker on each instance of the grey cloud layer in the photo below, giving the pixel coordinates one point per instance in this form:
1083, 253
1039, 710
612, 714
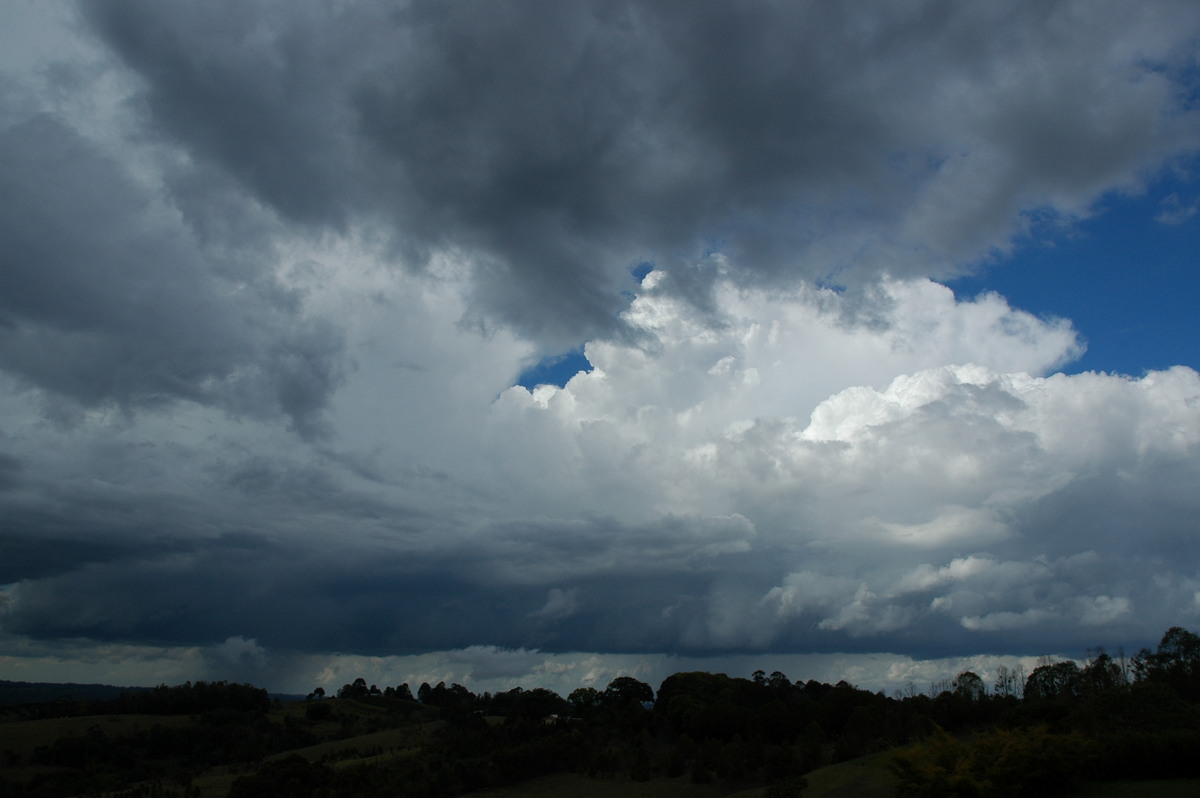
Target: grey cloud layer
106, 298
559, 145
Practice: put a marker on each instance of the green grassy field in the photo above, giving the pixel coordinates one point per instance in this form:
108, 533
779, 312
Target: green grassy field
1168, 788
22, 737
575, 785
861, 778
867, 777
19, 739
370, 746
215, 783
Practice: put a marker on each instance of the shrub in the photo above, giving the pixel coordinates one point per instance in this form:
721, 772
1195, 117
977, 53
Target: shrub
999, 762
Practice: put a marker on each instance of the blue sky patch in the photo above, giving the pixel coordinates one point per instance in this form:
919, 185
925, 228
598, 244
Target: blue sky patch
554, 370
1128, 278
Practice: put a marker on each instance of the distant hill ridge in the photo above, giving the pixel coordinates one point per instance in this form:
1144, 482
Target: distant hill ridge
12, 693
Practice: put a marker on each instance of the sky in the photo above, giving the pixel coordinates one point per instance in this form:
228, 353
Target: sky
539, 343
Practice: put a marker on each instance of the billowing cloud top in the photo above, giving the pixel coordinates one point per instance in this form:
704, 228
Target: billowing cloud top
269, 273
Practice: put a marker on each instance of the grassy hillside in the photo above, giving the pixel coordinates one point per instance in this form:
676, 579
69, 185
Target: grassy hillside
1169, 788
209, 751
867, 777
574, 785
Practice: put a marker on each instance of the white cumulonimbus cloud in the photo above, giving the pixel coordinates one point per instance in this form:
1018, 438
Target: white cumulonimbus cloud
927, 494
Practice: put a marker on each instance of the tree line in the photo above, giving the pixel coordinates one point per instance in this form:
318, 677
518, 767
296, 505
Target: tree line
184, 699
1024, 734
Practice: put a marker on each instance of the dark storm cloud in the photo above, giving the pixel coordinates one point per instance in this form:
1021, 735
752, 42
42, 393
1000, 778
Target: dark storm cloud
24, 557
314, 488
672, 586
92, 532
326, 570
282, 596
556, 145
106, 300
58, 526
10, 469
314, 601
